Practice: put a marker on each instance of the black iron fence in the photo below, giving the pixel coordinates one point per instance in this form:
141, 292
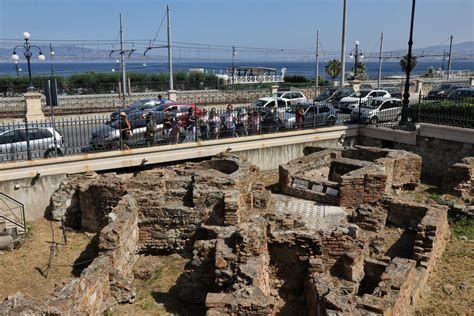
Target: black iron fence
66, 136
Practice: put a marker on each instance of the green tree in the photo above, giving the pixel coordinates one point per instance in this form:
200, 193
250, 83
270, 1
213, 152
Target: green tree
404, 63
333, 68
361, 72
430, 73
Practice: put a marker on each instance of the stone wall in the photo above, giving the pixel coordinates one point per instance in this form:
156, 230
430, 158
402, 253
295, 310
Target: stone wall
349, 176
15, 107
368, 286
459, 179
437, 154
104, 283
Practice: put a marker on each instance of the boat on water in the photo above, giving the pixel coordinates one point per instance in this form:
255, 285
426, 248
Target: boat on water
248, 75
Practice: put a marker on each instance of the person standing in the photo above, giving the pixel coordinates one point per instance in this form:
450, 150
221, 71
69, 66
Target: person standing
230, 121
204, 125
243, 123
162, 100
150, 129
190, 125
299, 118
276, 119
125, 130
254, 123
214, 124
167, 125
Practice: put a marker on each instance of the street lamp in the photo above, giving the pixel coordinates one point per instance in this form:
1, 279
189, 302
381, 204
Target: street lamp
355, 54
28, 54
51, 54
234, 53
406, 92
17, 68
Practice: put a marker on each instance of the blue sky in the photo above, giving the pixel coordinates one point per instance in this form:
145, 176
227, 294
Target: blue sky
244, 23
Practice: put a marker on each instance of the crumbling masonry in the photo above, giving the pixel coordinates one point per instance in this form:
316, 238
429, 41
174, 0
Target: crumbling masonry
254, 252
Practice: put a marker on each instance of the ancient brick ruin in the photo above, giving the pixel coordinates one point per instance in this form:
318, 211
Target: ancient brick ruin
351, 176
459, 179
360, 250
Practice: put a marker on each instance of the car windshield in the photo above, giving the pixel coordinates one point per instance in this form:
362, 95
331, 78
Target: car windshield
137, 104
444, 86
115, 124
259, 103
161, 107
278, 94
328, 92
373, 103
360, 93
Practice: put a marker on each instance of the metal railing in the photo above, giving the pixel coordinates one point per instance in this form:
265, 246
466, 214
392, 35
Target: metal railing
13, 213
105, 133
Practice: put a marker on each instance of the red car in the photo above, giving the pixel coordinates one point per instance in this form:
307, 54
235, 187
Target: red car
176, 108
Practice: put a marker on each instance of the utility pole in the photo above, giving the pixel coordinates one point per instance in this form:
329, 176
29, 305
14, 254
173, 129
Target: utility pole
444, 59
343, 45
122, 52
170, 58
316, 89
380, 62
122, 64
450, 57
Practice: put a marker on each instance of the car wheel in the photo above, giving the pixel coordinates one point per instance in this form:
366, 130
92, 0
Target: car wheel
332, 121
51, 153
374, 121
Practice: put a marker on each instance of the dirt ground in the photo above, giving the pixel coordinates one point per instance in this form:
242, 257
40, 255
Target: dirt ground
153, 290
451, 284
19, 269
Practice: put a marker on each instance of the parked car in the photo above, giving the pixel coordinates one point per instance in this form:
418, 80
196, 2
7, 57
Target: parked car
44, 142
159, 112
395, 92
314, 114
140, 105
347, 104
334, 95
378, 110
271, 102
442, 91
107, 136
461, 93
295, 97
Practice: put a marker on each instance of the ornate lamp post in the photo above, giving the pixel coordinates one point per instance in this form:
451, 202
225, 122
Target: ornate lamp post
28, 54
406, 92
355, 54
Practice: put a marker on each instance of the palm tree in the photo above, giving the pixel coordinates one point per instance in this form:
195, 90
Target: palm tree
334, 68
404, 63
361, 72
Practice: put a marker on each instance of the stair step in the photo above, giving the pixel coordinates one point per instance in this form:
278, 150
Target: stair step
5, 225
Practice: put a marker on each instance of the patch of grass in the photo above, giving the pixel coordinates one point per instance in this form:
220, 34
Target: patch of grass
434, 196
463, 227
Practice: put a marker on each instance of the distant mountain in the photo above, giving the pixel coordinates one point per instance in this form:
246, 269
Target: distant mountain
463, 50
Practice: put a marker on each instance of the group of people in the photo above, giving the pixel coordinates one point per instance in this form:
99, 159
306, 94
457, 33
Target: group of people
209, 125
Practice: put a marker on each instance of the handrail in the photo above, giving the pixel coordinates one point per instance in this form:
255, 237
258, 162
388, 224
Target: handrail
21, 218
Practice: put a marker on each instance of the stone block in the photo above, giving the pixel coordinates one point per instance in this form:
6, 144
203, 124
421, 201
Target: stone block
6, 242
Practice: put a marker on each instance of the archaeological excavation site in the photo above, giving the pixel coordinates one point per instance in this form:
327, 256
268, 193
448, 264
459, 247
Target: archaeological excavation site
334, 232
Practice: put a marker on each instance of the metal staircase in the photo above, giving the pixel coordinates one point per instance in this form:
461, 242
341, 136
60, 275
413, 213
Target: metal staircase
12, 216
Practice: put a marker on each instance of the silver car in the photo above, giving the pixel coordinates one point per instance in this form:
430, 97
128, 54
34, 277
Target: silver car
317, 114
379, 110
107, 136
44, 142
